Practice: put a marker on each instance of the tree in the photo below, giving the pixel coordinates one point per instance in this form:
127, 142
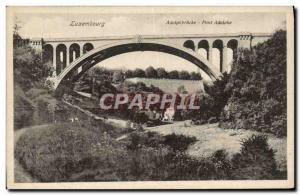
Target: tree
196, 76
138, 73
117, 76
29, 70
150, 72
184, 75
257, 88
173, 74
17, 39
162, 73
128, 73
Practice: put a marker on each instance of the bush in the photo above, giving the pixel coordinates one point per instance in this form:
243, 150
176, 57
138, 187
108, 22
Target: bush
255, 161
179, 142
140, 117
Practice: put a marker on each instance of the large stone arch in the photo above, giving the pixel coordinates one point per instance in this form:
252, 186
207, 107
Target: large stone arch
97, 55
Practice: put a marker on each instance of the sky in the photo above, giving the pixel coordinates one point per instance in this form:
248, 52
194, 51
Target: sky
53, 25
58, 25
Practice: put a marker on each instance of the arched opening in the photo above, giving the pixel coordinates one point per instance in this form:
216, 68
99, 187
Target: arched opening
47, 56
48, 53
232, 46
101, 54
203, 49
74, 52
218, 54
87, 47
189, 44
61, 58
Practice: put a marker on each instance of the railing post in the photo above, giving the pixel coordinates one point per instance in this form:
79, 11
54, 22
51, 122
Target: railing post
224, 60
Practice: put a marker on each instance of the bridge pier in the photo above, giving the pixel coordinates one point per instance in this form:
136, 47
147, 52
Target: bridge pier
68, 56
224, 62
54, 61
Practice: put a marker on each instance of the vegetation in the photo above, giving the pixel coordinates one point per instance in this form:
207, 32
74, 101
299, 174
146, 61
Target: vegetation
118, 76
256, 160
32, 102
257, 88
254, 94
211, 103
84, 152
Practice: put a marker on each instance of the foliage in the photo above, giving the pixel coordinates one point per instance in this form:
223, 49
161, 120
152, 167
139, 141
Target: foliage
184, 75
117, 76
33, 103
179, 142
195, 76
128, 73
29, 71
162, 73
84, 152
140, 117
211, 103
23, 109
255, 161
138, 73
173, 74
55, 152
150, 72
257, 88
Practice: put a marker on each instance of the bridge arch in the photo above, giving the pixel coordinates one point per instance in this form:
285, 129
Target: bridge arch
97, 55
189, 44
61, 58
218, 53
74, 51
48, 53
87, 47
203, 49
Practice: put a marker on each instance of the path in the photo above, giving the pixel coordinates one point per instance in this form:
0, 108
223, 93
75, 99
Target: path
115, 122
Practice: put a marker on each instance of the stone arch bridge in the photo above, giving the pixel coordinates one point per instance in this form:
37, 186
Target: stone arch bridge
213, 54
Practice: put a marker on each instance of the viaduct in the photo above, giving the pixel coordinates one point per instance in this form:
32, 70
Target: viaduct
213, 54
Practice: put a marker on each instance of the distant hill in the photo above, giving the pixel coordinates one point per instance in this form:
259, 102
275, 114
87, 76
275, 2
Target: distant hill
171, 85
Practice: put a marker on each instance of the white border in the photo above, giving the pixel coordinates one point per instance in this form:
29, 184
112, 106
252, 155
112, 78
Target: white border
94, 2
